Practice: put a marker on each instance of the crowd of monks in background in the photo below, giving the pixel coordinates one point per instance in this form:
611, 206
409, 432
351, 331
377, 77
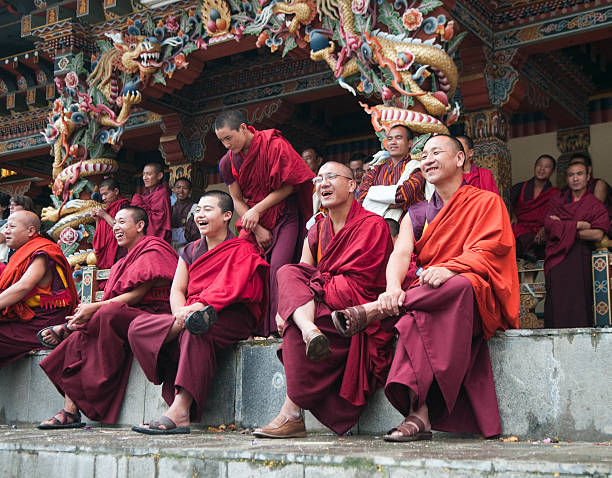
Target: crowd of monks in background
337, 259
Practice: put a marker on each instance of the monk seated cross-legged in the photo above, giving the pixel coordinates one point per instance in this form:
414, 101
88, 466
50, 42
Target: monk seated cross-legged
343, 264
92, 365
441, 375
218, 295
36, 287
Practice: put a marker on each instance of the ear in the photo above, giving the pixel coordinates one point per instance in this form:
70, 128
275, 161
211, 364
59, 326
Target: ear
460, 159
140, 226
227, 216
160, 175
352, 185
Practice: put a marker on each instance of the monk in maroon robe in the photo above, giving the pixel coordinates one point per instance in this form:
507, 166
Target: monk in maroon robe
529, 201
270, 185
596, 186
218, 295
104, 243
473, 175
36, 287
441, 376
343, 263
155, 201
91, 367
574, 222
184, 229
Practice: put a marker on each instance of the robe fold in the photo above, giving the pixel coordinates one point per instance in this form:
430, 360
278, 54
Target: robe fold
93, 364
350, 271
567, 267
41, 307
232, 278
481, 178
104, 241
530, 213
157, 205
271, 162
442, 355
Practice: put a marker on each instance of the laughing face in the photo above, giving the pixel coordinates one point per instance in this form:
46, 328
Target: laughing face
210, 218
441, 159
126, 230
337, 185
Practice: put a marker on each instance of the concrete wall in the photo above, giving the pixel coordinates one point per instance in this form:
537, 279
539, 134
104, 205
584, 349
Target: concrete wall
526, 149
549, 383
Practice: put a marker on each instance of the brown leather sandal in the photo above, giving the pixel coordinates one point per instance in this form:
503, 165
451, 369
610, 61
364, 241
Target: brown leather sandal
408, 432
317, 346
350, 321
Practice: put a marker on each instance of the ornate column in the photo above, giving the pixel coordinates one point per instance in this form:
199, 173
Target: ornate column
489, 130
569, 142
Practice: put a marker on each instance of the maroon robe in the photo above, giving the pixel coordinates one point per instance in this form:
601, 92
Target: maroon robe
92, 365
271, 163
608, 201
47, 306
442, 355
350, 271
568, 270
104, 241
480, 178
530, 212
231, 277
157, 205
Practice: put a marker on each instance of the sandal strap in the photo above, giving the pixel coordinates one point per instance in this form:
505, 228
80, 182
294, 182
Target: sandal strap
407, 430
357, 319
75, 417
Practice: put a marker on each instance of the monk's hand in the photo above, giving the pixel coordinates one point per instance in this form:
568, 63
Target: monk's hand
580, 225
436, 276
555, 218
81, 315
390, 301
263, 237
250, 219
280, 324
96, 212
540, 236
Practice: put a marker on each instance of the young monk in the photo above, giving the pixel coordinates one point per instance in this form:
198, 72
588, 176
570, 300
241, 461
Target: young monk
104, 243
218, 295
155, 201
343, 263
270, 185
575, 220
529, 201
91, 367
441, 375
473, 175
36, 287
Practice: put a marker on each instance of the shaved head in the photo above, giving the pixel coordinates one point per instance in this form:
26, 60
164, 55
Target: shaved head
28, 219
338, 168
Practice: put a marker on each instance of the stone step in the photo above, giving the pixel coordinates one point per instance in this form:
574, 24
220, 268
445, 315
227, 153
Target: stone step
550, 383
109, 453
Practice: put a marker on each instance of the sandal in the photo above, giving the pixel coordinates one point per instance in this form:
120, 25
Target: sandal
65, 332
170, 428
350, 321
317, 346
64, 423
199, 321
408, 432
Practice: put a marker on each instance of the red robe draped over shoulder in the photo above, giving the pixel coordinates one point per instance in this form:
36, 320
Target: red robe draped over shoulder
233, 272
270, 163
157, 205
472, 235
104, 241
16, 268
530, 214
563, 234
350, 271
481, 178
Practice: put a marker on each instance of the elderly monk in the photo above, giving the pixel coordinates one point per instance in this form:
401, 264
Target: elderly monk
529, 201
104, 243
473, 175
575, 220
441, 374
155, 200
270, 185
343, 263
217, 297
36, 287
91, 367
392, 187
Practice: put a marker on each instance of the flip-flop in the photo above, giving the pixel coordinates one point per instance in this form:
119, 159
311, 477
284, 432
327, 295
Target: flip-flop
60, 338
153, 427
408, 434
199, 321
76, 423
